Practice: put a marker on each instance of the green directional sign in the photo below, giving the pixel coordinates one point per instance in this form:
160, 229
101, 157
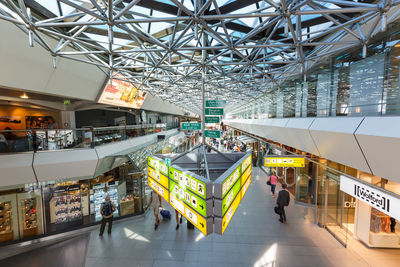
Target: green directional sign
228, 199
158, 165
194, 201
214, 111
191, 126
195, 185
212, 134
215, 103
212, 119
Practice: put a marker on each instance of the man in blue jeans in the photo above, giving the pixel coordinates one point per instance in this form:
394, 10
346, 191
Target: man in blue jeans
282, 201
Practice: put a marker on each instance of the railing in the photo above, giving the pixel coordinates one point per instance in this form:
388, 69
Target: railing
54, 139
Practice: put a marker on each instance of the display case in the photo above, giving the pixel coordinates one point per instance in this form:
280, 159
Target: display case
30, 214
6, 222
74, 207
98, 195
59, 209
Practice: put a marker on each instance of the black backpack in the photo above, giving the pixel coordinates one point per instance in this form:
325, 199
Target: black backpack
107, 208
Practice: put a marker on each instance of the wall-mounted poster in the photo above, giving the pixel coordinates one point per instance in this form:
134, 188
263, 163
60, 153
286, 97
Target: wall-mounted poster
122, 93
10, 122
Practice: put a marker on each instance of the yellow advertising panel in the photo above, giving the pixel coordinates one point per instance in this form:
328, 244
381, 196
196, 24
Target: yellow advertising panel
198, 221
283, 162
245, 187
229, 214
246, 175
159, 177
159, 189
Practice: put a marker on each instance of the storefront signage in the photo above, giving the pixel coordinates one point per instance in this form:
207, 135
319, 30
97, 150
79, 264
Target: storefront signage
159, 189
374, 197
190, 126
212, 133
283, 162
214, 111
189, 182
158, 165
215, 103
159, 177
194, 201
212, 119
198, 221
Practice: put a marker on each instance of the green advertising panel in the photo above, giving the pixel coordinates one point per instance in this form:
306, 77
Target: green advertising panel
212, 133
215, 103
230, 196
214, 111
212, 119
158, 165
196, 186
194, 201
231, 180
190, 126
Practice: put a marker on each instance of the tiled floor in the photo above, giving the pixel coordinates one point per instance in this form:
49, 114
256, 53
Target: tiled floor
255, 237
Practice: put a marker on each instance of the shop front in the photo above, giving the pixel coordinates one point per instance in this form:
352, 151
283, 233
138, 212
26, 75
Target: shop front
34, 210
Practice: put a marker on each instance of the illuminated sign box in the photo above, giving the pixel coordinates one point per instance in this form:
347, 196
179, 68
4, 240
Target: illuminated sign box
193, 196
283, 161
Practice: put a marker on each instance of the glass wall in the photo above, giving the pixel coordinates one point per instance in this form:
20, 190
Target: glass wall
344, 84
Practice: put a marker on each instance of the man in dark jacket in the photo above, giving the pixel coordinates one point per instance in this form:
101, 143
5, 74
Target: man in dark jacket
282, 201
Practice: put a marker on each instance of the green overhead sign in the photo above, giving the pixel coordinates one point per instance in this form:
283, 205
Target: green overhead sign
215, 103
212, 119
191, 126
194, 201
190, 183
212, 134
214, 111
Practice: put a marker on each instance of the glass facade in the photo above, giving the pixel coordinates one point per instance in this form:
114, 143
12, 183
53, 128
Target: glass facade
344, 84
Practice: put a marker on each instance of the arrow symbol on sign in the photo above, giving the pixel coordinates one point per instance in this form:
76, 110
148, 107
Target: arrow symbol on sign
201, 206
224, 206
202, 225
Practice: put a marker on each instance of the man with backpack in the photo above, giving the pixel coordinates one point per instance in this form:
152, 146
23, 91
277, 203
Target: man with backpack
106, 210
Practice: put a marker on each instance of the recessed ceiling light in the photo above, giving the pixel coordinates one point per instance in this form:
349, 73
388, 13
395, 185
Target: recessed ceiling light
25, 96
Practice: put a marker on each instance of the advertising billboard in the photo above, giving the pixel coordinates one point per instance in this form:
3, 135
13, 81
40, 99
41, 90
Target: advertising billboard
122, 93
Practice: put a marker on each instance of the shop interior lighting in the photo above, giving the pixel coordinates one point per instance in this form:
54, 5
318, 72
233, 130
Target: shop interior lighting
24, 96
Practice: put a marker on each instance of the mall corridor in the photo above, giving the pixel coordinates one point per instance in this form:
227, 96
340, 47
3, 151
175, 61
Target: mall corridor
255, 237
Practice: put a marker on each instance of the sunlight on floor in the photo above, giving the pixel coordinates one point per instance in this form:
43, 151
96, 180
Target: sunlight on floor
269, 257
132, 235
199, 237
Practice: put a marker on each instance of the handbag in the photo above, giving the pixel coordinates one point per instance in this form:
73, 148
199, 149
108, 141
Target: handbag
268, 182
277, 210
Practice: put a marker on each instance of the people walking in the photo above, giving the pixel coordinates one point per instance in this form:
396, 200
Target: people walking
107, 210
178, 220
282, 201
155, 203
273, 179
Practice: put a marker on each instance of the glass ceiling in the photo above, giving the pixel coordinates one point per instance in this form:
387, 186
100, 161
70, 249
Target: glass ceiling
242, 47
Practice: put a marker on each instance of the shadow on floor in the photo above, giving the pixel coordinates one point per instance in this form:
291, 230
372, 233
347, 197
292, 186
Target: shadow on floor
70, 253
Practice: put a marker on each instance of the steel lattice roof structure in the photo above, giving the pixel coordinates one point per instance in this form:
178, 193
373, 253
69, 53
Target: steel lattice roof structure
244, 47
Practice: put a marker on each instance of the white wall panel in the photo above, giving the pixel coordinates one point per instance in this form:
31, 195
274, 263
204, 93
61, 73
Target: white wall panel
379, 138
16, 169
298, 136
156, 104
53, 165
31, 68
335, 141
